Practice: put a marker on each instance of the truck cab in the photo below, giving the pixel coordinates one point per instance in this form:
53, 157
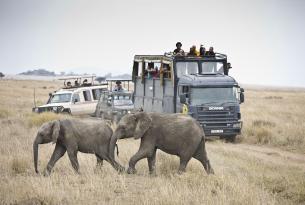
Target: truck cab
195, 85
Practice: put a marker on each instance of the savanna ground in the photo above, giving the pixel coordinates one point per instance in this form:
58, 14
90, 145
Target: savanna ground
266, 166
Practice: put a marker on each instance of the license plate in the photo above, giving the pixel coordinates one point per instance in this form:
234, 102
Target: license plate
216, 131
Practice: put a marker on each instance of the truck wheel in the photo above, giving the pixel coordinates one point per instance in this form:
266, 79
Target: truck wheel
231, 138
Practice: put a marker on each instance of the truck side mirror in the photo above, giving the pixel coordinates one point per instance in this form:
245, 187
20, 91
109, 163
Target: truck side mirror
75, 100
229, 66
242, 90
242, 97
182, 98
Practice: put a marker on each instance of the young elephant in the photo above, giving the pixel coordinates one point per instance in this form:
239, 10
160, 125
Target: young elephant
176, 134
72, 135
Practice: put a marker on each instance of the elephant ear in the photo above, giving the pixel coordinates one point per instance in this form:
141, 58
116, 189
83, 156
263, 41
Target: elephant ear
143, 124
56, 129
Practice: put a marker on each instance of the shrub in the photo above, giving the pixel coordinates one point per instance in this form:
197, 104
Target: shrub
262, 123
19, 166
4, 113
38, 119
263, 136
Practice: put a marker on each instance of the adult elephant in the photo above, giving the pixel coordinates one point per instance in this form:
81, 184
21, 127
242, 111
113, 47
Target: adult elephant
176, 134
73, 135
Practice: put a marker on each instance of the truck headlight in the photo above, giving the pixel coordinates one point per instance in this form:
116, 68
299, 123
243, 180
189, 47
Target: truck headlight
237, 125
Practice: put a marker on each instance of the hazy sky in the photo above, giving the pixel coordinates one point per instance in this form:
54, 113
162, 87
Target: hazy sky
264, 40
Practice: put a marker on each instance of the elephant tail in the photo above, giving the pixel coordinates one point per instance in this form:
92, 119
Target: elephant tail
117, 149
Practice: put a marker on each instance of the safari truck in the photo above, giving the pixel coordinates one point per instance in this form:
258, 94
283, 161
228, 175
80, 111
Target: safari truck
113, 104
197, 86
79, 96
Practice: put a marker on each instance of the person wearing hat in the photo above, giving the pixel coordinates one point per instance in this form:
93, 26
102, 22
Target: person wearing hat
118, 86
178, 50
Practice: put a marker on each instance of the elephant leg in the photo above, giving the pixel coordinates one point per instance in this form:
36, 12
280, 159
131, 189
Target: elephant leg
183, 163
59, 151
114, 164
152, 162
134, 159
99, 161
73, 159
146, 149
202, 157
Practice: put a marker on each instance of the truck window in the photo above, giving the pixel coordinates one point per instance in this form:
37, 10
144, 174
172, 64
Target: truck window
75, 97
212, 67
185, 90
166, 71
87, 95
137, 69
186, 68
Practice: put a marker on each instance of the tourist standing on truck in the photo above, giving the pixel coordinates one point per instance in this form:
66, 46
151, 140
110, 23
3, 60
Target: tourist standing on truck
193, 51
202, 50
118, 86
179, 50
210, 53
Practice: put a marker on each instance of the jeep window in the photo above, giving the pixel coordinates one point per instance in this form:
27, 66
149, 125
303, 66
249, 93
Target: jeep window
75, 97
97, 93
61, 98
87, 95
186, 68
212, 67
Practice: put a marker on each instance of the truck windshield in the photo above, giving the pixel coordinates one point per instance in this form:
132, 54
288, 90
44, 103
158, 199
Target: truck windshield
60, 98
212, 67
201, 96
186, 68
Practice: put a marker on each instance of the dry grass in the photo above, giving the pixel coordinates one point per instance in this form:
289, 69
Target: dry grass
275, 118
244, 173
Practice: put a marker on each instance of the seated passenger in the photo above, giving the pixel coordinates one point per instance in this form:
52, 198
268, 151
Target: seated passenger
178, 50
76, 83
210, 53
202, 50
85, 82
155, 74
193, 51
149, 72
69, 84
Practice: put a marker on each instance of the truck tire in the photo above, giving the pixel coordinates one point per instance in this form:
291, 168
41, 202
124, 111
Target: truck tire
231, 138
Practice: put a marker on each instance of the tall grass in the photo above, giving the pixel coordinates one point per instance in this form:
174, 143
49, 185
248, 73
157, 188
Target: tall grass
275, 118
240, 176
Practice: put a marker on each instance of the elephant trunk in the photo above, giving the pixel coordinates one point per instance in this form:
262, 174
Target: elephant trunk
112, 145
35, 151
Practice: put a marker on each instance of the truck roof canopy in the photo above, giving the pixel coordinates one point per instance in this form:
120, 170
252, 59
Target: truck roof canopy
169, 57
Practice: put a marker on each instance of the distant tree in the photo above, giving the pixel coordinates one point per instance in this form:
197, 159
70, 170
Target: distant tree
1, 75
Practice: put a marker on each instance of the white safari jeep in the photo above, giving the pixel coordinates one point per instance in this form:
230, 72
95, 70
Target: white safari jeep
77, 99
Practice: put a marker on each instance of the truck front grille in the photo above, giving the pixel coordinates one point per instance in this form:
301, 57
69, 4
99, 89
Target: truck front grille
215, 117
